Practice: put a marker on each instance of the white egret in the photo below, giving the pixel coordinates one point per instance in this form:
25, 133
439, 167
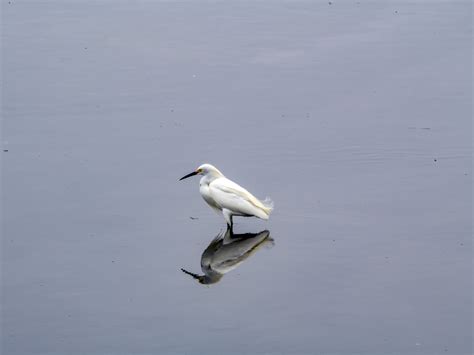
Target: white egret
224, 195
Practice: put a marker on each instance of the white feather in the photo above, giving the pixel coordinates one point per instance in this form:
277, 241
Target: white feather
228, 197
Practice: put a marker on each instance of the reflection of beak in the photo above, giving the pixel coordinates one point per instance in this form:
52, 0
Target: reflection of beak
196, 276
189, 175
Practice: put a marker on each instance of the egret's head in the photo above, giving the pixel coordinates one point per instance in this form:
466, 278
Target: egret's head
204, 169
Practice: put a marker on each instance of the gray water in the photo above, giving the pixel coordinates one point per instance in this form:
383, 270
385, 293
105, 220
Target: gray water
354, 117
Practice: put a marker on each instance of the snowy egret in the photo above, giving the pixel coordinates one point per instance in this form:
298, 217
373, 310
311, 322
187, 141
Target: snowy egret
226, 252
224, 195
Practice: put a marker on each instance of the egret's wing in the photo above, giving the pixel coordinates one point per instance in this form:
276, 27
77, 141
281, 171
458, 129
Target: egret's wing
231, 186
233, 197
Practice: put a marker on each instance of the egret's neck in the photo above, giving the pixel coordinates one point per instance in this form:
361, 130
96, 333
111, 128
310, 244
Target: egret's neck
210, 177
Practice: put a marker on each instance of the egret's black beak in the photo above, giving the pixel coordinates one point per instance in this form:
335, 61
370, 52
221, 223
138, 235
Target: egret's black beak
189, 175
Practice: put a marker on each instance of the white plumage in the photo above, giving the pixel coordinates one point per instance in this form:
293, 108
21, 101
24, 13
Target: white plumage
225, 196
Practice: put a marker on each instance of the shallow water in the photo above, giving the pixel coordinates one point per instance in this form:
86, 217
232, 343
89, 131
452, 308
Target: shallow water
354, 117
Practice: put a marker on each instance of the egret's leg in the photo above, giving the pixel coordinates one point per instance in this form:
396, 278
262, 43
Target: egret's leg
228, 218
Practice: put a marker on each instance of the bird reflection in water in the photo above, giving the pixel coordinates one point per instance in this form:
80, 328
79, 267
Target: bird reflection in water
227, 251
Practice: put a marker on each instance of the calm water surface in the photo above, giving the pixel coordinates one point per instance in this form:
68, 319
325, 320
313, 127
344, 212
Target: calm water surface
354, 117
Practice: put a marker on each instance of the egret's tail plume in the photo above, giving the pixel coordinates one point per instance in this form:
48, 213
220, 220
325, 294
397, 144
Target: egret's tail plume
268, 204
